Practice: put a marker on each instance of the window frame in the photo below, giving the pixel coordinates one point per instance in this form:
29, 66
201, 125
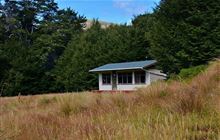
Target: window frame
139, 75
106, 78
125, 76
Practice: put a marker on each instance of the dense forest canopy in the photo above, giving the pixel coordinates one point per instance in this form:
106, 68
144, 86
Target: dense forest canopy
46, 49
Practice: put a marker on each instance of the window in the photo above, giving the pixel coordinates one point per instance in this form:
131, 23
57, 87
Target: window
140, 77
125, 78
106, 78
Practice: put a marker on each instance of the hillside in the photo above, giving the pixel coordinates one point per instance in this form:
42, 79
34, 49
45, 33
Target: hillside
104, 25
47, 48
165, 110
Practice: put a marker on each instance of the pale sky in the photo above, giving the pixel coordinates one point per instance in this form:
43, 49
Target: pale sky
116, 11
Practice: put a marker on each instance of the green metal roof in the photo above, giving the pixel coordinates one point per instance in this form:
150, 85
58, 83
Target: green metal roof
124, 66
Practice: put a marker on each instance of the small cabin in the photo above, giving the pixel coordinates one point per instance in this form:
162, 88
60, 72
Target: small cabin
127, 76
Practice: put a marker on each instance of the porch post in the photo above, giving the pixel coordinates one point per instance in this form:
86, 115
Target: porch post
147, 78
114, 80
133, 80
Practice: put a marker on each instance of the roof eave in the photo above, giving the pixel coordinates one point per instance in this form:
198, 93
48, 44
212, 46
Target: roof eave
119, 69
150, 65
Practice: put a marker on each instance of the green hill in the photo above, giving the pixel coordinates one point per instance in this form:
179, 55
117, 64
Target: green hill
172, 110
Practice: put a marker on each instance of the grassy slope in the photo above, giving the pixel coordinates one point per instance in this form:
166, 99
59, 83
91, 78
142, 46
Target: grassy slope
173, 110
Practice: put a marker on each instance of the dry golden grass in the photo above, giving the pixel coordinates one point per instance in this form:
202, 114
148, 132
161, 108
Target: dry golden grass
165, 110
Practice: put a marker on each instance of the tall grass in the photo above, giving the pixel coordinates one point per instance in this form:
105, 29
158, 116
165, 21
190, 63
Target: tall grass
165, 110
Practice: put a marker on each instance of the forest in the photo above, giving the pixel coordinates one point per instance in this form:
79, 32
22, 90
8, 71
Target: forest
45, 49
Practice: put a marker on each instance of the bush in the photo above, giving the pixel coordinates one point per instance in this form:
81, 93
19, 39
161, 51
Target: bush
189, 73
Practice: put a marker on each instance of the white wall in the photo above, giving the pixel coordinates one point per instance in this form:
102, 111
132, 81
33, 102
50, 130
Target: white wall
157, 72
133, 86
149, 79
129, 87
154, 77
154, 70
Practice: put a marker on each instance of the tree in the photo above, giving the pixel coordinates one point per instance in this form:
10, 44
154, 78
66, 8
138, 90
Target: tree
142, 25
22, 69
53, 37
33, 36
93, 48
186, 33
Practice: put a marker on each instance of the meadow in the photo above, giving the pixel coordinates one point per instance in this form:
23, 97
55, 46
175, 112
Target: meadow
169, 110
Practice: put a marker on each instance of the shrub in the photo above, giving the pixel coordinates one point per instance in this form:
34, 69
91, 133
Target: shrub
191, 72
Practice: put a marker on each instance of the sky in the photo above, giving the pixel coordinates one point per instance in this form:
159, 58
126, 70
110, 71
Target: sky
115, 11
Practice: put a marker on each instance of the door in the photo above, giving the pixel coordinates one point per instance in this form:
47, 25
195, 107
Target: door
114, 81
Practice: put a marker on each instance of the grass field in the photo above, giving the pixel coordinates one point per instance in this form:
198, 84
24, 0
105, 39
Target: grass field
173, 110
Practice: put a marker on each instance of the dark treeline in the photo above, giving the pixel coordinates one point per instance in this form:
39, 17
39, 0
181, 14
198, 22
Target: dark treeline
46, 49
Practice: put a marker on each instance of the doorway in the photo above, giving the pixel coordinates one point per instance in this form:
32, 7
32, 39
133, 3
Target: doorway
114, 80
